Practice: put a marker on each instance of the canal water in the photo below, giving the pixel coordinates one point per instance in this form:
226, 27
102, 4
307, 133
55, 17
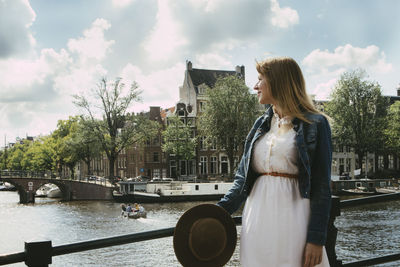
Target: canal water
364, 232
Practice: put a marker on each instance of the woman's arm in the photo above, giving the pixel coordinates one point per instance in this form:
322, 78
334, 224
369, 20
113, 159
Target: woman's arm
235, 196
320, 198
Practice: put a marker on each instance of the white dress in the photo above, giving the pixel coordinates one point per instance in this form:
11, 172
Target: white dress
275, 216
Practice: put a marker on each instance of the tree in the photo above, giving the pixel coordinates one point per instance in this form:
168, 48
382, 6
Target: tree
228, 116
392, 131
178, 141
358, 110
117, 129
66, 153
40, 155
84, 144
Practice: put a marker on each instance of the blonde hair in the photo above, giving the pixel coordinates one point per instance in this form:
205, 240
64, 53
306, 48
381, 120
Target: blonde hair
287, 86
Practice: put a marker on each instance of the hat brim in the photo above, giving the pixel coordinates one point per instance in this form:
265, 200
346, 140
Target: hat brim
182, 231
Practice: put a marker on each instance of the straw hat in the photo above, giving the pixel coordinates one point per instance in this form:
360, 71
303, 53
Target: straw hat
205, 236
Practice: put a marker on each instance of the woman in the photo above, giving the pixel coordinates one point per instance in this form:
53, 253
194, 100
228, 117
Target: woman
284, 174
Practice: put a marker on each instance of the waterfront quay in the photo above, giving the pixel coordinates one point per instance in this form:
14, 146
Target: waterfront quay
364, 231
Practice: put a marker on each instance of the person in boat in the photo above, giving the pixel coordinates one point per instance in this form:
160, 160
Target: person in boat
136, 207
141, 208
284, 174
128, 208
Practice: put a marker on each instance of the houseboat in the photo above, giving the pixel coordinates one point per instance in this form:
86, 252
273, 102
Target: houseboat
172, 191
361, 186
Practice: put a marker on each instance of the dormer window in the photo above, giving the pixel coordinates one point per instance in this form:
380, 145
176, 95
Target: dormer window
181, 113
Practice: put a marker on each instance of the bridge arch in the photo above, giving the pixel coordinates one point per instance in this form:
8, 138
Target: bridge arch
70, 189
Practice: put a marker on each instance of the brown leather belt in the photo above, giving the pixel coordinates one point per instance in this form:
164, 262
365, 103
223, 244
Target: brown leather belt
286, 175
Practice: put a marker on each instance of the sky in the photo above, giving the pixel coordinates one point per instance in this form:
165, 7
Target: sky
51, 50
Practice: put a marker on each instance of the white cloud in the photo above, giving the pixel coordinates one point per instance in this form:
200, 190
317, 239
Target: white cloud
121, 3
212, 60
323, 90
159, 88
166, 36
16, 18
348, 57
283, 17
92, 45
323, 68
36, 92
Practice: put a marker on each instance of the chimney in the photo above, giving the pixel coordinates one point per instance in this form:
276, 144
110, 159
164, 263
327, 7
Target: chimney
240, 71
188, 65
398, 90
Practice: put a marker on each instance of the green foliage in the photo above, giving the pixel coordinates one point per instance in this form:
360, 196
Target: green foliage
229, 114
358, 110
392, 131
178, 140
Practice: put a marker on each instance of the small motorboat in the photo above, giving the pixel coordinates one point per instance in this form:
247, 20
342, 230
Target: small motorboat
136, 213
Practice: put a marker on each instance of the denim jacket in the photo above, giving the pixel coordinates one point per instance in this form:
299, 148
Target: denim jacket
313, 142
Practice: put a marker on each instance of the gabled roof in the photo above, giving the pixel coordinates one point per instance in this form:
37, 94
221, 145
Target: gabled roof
209, 77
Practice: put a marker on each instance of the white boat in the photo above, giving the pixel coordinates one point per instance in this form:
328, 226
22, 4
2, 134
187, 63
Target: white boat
387, 190
175, 191
358, 191
43, 190
7, 187
54, 192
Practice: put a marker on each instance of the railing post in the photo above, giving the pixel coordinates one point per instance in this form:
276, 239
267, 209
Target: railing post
38, 253
332, 233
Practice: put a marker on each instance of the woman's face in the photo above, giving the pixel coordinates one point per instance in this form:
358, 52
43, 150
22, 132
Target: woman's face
263, 90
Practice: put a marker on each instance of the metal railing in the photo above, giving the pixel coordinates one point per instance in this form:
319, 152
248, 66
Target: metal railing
40, 253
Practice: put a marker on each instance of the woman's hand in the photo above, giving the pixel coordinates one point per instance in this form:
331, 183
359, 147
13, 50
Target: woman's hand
312, 255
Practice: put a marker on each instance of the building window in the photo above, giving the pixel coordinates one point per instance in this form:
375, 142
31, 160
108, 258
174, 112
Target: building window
156, 141
381, 164
164, 173
172, 168
341, 166
334, 165
191, 167
213, 144
236, 162
156, 157
202, 106
348, 165
156, 173
203, 145
183, 167
201, 89
203, 165
181, 113
391, 161
197, 187
213, 165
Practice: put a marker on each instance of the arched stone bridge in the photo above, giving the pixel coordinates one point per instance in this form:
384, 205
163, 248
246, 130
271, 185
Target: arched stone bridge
70, 189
